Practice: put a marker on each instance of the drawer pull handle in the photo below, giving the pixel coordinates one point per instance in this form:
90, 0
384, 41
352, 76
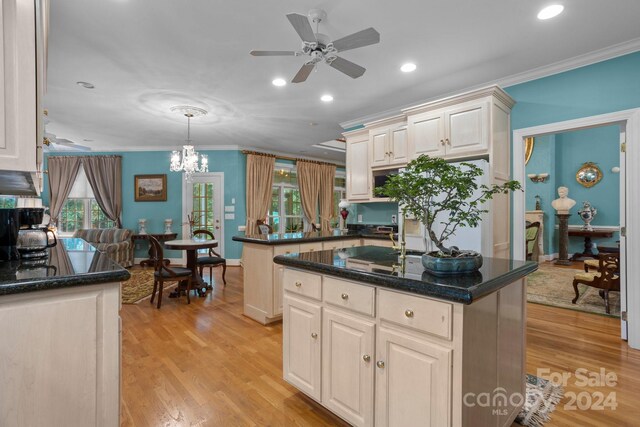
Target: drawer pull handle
298, 284
345, 296
380, 364
366, 358
408, 313
314, 335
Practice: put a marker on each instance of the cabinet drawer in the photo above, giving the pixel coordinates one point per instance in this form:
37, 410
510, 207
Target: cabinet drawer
352, 296
425, 315
301, 283
310, 247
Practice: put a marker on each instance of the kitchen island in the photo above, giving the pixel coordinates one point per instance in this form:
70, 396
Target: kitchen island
360, 327
61, 338
263, 279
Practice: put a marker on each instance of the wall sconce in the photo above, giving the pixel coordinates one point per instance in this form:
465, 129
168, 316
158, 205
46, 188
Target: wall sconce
538, 177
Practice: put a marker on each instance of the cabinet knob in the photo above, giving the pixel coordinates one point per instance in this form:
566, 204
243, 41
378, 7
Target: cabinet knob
390, 153
442, 141
366, 358
447, 141
314, 335
298, 284
345, 296
380, 364
408, 313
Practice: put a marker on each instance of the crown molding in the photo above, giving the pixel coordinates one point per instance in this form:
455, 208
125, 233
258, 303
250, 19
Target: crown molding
579, 61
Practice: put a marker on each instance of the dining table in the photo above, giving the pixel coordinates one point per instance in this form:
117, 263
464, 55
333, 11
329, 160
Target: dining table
191, 246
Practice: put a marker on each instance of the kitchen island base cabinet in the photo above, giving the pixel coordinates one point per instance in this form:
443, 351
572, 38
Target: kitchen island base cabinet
61, 357
422, 360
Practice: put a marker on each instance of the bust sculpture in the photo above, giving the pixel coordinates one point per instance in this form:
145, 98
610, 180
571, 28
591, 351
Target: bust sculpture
563, 203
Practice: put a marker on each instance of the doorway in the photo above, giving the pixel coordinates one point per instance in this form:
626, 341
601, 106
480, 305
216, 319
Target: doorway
202, 201
629, 125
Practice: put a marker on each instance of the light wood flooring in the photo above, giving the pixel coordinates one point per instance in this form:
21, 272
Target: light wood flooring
205, 364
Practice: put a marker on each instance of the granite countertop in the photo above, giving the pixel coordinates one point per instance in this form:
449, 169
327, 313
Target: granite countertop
308, 237
72, 262
381, 267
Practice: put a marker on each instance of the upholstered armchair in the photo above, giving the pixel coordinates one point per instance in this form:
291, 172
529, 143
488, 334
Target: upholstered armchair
116, 242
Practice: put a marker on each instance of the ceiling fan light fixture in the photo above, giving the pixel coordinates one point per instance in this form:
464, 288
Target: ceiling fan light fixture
86, 85
279, 82
326, 98
550, 12
408, 67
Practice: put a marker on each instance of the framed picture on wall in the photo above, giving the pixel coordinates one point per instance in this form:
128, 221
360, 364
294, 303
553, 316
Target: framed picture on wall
150, 188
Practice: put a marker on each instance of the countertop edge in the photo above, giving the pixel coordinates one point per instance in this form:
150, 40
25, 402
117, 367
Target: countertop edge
436, 291
309, 239
41, 284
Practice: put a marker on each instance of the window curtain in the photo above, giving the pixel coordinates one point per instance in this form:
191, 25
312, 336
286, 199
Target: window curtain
259, 181
104, 174
309, 176
327, 184
63, 171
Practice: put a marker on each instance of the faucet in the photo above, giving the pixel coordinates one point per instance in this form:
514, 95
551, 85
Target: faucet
402, 246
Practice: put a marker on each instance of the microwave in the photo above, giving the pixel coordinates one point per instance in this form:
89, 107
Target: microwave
380, 179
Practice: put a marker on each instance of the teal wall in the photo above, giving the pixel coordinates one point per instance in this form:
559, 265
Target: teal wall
561, 155
231, 163
372, 213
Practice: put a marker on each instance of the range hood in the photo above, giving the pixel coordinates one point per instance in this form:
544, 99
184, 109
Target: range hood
17, 183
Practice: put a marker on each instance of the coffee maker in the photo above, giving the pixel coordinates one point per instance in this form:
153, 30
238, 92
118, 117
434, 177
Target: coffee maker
9, 227
33, 238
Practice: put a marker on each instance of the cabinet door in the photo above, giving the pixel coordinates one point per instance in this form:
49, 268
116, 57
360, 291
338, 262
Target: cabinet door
379, 146
301, 345
278, 273
426, 134
413, 381
398, 146
347, 366
467, 129
18, 125
358, 173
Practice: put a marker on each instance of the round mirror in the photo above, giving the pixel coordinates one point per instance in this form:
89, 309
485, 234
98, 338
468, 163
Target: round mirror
589, 174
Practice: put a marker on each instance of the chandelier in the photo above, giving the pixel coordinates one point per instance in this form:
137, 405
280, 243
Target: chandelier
188, 160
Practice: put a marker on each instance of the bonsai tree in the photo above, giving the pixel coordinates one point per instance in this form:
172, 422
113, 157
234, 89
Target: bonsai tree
430, 186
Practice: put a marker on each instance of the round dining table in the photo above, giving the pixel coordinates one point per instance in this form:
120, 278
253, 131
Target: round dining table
191, 246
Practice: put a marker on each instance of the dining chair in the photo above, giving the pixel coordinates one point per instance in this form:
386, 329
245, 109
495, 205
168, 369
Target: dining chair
213, 260
263, 227
606, 279
163, 273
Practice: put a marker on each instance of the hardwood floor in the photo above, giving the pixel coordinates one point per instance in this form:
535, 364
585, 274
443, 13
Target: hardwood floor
205, 364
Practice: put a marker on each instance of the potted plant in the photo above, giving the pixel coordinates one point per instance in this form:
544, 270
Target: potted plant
430, 188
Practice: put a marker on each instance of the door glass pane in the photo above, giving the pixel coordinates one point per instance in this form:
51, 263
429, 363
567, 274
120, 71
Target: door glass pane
203, 213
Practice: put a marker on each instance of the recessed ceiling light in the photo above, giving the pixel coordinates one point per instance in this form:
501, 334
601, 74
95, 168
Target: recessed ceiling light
408, 67
326, 98
550, 11
87, 140
85, 85
279, 82
313, 124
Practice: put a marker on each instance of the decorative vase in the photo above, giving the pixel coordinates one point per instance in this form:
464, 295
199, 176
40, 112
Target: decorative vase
167, 226
442, 266
142, 226
587, 213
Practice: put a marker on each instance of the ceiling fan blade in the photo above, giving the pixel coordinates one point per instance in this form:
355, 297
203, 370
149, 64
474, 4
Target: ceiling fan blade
349, 68
302, 26
356, 40
272, 53
303, 73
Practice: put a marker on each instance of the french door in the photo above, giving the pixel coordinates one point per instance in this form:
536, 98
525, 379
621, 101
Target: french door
202, 201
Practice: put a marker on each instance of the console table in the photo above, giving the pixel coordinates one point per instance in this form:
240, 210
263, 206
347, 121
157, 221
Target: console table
588, 244
161, 238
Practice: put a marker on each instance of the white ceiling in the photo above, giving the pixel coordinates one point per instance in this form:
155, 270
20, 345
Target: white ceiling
144, 56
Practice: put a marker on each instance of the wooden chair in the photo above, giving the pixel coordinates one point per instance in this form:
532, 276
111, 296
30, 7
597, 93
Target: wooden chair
213, 260
163, 273
606, 278
263, 227
315, 227
532, 231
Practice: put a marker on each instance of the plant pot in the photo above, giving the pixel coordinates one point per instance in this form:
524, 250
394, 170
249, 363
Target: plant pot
441, 266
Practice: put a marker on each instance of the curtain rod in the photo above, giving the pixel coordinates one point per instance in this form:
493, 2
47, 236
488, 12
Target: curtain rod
295, 159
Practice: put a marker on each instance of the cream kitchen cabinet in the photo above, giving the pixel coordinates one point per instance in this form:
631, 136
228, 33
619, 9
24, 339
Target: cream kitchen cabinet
358, 169
457, 131
22, 73
388, 146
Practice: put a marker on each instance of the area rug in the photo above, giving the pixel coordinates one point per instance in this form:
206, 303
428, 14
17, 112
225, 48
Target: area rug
139, 286
552, 285
542, 398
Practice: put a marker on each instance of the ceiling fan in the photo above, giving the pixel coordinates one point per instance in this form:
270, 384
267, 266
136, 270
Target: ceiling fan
53, 143
319, 47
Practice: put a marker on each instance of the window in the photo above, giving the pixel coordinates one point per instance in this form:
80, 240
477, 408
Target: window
285, 213
339, 193
81, 210
8, 202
